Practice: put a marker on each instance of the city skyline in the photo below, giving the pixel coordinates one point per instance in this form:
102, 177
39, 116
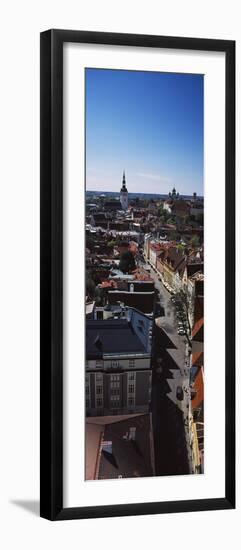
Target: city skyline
151, 125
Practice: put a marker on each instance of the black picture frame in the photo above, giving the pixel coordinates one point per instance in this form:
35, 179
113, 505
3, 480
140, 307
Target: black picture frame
51, 323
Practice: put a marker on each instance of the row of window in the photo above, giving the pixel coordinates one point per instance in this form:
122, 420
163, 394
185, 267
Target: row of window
115, 401
114, 379
115, 384
114, 390
99, 363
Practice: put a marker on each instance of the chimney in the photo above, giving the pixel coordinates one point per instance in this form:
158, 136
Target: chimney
98, 342
132, 433
107, 446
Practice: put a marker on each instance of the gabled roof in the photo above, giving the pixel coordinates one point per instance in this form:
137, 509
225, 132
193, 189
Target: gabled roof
180, 206
198, 330
117, 336
126, 457
197, 359
174, 257
193, 268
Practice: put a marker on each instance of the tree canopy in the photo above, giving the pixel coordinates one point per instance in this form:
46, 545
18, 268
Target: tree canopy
194, 241
127, 262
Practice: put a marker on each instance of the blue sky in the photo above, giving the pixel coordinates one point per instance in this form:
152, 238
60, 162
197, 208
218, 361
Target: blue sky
150, 124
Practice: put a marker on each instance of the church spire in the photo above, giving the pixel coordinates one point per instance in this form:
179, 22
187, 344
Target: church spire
124, 193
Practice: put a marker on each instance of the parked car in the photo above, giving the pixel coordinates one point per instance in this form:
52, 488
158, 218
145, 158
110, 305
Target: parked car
179, 393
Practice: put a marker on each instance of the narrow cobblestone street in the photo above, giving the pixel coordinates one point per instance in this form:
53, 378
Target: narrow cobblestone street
170, 371
170, 442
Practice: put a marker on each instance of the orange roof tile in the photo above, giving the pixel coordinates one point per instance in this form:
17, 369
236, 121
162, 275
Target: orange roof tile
197, 359
198, 325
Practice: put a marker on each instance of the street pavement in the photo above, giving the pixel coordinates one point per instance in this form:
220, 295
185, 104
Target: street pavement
168, 321
171, 417
170, 436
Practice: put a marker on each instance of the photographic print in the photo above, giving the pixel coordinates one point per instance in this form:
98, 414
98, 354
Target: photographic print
144, 274
137, 162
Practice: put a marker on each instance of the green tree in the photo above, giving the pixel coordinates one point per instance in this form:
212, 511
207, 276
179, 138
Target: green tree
127, 262
174, 236
111, 244
181, 246
163, 214
99, 296
199, 219
90, 286
194, 241
184, 306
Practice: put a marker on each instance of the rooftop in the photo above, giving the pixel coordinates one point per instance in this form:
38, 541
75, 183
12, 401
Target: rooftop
119, 447
114, 336
197, 333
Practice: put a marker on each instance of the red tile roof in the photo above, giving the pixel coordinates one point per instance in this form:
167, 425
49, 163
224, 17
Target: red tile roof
198, 329
108, 284
197, 359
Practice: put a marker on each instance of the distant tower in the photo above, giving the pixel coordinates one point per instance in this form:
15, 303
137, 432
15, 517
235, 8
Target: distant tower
124, 194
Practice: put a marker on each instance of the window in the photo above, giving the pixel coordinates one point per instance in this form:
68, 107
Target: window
87, 390
131, 375
115, 400
87, 403
131, 362
115, 392
107, 446
99, 402
115, 378
132, 433
131, 388
114, 364
131, 401
99, 363
98, 377
99, 390
115, 384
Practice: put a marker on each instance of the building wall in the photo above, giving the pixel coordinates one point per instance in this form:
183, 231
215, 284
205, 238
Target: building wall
197, 346
153, 255
168, 275
167, 207
159, 266
118, 362
177, 281
118, 392
191, 299
147, 246
124, 200
199, 387
142, 326
196, 211
142, 301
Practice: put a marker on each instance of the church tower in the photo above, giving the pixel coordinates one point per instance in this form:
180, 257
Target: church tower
124, 194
